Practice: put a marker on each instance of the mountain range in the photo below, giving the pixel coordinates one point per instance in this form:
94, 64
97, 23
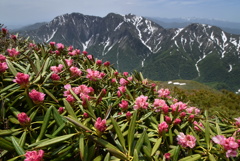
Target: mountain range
196, 52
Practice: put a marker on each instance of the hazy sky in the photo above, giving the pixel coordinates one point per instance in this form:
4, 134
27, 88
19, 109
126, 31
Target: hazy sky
24, 12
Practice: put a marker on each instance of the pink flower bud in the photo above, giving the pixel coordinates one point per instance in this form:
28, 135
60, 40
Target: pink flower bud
128, 115
85, 115
55, 77
2, 58
61, 110
37, 97
34, 155
177, 121
85, 53
162, 127
168, 119
60, 46
99, 62
125, 74
3, 67
123, 105
4, 31
100, 124
23, 119
107, 63
13, 52
22, 79
52, 44
167, 156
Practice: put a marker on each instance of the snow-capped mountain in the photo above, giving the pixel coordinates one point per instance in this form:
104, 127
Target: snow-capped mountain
200, 52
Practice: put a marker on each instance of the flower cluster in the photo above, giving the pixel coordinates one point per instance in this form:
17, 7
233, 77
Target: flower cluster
3, 64
229, 144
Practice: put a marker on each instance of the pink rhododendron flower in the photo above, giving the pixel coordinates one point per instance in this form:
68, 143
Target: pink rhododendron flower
141, 102
182, 114
3, 67
125, 74
129, 79
4, 31
75, 71
94, 75
160, 104
34, 155
100, 124
2, 58
13, 52
14, 37
23, 119
180, 106
74, 52
196, 125
121, 90
60, 46
163, 93
52, 44
229, 144
237, 121
116, 73
167, 156
123, 105
70, 48
69, 62
128, 115
168, 119
162, 127
90, 57
107, 63
31, 45
61, 110
123, 82
99, 62
36, 96
193, 110
22, 79
85, 52
177, 121
56, 69
70, 99
186, 140
55, 77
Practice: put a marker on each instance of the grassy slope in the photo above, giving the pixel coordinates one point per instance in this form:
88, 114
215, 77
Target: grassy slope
205, 97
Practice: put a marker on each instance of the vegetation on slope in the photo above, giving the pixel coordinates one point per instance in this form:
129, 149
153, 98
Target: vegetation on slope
58, 103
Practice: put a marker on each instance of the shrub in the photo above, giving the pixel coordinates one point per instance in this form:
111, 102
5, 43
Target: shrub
56, 105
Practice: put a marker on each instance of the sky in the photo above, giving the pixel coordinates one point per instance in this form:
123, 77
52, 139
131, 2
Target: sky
19, 13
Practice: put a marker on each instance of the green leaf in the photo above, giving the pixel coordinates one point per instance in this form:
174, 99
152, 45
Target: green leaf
69, 108
107, 157
79, 124
8, 132
22, 139
98, 158
17, 147
191, 157
211, 157
11, 67
131, 132
119, 133
6, 145
147, 152
156, 146
109, 147
50, 94
81, 146
8, 87
58, 118
55, 140
45, 124
140, 141
135, 155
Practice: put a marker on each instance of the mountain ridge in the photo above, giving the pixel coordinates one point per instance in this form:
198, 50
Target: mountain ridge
133, 42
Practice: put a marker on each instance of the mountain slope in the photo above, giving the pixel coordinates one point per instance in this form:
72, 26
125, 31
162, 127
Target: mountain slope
197, 52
